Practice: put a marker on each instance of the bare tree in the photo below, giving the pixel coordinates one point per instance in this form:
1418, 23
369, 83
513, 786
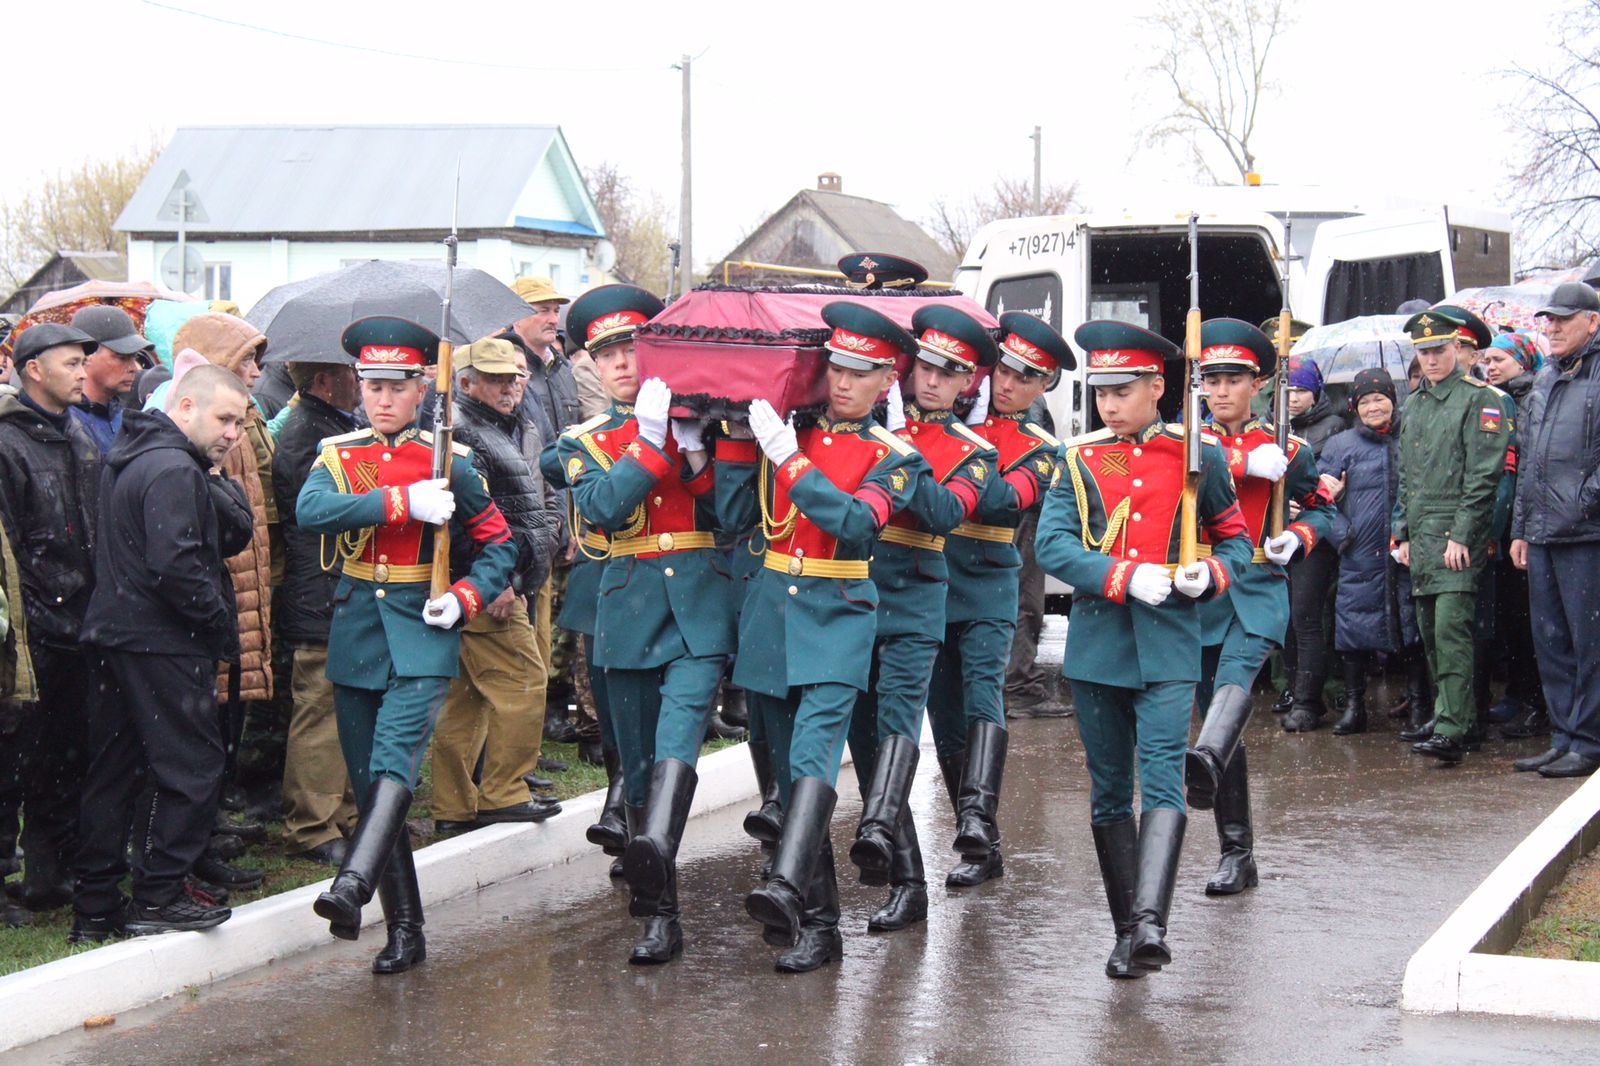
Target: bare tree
73, 210
640, 227
1557, 188
953, 222
1213, 55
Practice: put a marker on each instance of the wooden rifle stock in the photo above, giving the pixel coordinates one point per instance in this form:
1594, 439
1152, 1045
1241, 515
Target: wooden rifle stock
443, 439
1189, 510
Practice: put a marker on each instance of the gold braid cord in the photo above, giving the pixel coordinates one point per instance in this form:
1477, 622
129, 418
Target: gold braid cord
1114, 522
635, 521
352, 542
771, 528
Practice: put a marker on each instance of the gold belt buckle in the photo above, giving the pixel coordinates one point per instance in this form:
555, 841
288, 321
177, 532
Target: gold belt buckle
381, 572
664, 542
796, 565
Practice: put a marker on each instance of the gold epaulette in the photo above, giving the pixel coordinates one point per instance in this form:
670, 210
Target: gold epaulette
1475, 383
1043, 434
584, 427
1092, 437
883, 436
344, 438
1206, 436
1300, 441
966, 432
456, 447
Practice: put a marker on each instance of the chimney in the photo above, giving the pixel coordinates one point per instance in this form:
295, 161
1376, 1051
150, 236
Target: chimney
829, 182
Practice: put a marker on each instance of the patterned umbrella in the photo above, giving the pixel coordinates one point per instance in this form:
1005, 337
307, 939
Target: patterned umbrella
133, 297
1341, 349
1514, 306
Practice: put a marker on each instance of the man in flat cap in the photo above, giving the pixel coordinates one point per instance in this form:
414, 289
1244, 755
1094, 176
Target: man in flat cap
110, 372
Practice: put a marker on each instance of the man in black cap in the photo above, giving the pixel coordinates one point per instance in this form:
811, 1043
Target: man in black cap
110, 371
49, 481
1556, 531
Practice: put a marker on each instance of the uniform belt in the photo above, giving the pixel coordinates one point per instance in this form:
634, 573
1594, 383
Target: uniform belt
795, 566
387, 573
911, 538
663, 543
1259, 556
1201, 551
597, 541
995, 534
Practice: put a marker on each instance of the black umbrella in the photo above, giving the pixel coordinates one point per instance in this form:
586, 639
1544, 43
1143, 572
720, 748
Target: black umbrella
304, 319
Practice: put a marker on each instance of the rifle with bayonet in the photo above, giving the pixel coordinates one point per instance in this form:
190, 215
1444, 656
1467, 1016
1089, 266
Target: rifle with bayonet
1189, 509
444, 421
1280, 390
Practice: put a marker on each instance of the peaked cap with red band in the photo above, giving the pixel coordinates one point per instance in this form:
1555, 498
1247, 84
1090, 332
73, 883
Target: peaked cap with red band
864, 339
388, 347
1030, 345
1120, 353
879, 270
1446, 323
610, 314
1227, 344
949, 338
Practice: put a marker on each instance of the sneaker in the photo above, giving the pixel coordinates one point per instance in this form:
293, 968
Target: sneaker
183, 913
96, 928
217, 894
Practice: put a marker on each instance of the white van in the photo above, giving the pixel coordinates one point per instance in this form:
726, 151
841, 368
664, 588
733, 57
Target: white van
1350, 257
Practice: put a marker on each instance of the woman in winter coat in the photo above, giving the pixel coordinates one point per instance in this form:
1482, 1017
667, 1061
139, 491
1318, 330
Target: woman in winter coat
1372, 609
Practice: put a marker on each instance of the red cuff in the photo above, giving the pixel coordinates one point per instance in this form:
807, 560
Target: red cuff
1026, 487
471, 601
792, 470
966, 492
705, 481
1308, 536
396, 506
1219, 576
1230, 523
647, 455
878, 499
1116, 587
488, 526
737, 450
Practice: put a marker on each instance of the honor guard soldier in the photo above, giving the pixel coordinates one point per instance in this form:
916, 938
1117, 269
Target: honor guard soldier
822, 495
1241, 629
1112, 527
876, 270
966, 700
664, 624
1453, 441
908, 568
391, 650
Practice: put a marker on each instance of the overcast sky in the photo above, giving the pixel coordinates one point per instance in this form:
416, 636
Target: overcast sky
909, 102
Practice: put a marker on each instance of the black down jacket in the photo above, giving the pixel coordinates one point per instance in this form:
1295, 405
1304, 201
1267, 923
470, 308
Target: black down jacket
302, 610
505, 450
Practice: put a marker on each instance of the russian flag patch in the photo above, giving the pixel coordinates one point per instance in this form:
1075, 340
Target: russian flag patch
1489, 419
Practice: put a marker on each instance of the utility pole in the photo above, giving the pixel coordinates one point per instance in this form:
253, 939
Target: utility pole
1038, 190
183, 244
685, 206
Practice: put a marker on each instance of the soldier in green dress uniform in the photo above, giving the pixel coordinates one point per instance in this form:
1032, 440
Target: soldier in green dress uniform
391, 650
1453, 441
822, 493
1111, 528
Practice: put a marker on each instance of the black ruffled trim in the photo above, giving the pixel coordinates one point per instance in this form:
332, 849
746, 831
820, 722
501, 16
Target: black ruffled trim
830, 290
801, 338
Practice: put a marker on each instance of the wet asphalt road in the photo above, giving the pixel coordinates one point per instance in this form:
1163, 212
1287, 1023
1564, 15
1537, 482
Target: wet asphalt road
1363, 851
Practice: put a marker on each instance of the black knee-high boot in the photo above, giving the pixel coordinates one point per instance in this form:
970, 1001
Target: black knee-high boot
1218, 740
1236, 871
648, 861
1160, 841
610, 833
381, 823
1354, 718
819, 942
882, 809
779, 905
908, 892
401, 897
1116, 845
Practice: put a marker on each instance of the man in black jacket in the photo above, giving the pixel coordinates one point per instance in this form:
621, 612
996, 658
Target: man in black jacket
319, 806
1555, 530
49, 471
161, 616
496, 705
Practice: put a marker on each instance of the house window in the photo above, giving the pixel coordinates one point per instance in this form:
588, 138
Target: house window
555, 276
524, 268
219, 281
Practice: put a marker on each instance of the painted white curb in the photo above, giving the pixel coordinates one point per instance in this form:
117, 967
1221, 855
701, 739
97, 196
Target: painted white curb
1462, 966
60, 995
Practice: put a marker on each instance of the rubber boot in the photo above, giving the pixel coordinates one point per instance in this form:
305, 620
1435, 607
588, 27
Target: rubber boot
380, 825
765, 824
402, 911
1354, 719
1420, 725
1219, 738
1160, 841
1236, 871
779, 905
908, 892
610, 833
648, 861
1116, 845
662, 939
882, 809
819, 942
977, 831
1306, 714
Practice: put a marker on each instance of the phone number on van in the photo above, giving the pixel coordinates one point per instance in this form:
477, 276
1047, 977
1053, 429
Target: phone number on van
1043, 244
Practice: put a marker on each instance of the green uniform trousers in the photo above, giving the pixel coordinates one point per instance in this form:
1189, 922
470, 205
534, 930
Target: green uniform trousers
1236, 661
385, 732
1446, 622
597, 689
897, 691
969, 677
660, 713
1123, 726
805, 730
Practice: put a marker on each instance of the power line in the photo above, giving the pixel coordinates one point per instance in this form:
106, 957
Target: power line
476, 63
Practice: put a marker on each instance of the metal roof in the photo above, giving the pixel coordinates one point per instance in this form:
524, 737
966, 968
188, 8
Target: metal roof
868, 225
341, 179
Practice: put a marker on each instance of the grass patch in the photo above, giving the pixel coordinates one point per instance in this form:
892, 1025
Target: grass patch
1568, 924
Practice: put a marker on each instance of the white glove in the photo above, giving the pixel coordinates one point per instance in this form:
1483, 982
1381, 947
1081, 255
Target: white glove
894, 419
1192, 581
431, 501
980, 405
1281, 549
1266, 462
689, 434
443, 612
775, 436
1150, 584
650, 407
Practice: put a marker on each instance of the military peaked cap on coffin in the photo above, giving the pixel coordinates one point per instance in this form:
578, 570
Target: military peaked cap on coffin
1120, 353
876, 270
387, 347
1297, 329
1445, 323
1231, 345
951, 339
1030, 345
610, 314
864, 339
